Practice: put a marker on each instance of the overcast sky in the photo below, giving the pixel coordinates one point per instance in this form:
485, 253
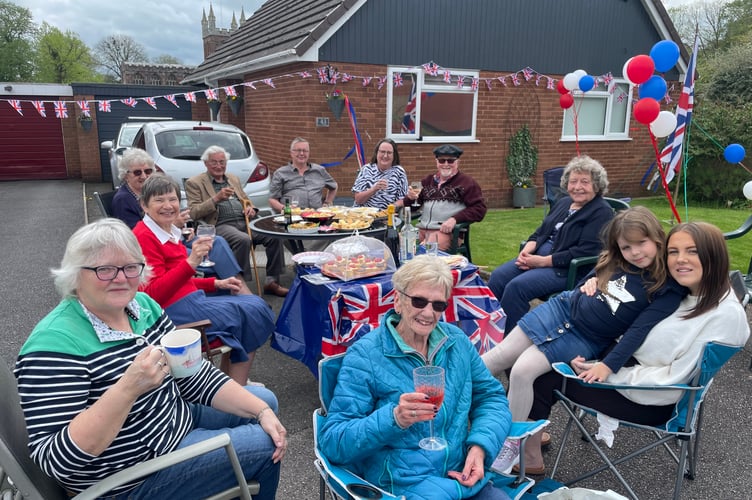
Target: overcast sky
170, 27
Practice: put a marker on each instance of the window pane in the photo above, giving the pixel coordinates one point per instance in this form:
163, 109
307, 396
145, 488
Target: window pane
403, 106
446, 114
591, 117
619, 103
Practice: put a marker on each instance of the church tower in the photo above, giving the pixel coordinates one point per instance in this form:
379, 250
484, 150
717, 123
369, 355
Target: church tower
214, 37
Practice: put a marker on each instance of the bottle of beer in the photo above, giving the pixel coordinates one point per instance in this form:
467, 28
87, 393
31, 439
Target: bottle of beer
288, 212
391, 240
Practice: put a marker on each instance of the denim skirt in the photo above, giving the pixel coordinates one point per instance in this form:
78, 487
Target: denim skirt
549, 327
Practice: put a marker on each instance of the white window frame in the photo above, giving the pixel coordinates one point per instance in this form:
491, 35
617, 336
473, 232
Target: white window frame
422, 86
611, 97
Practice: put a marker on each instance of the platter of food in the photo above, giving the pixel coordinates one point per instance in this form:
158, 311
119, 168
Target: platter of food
280, 219
303, 228
359, 266
312, 258
347, 225
455, 261
320, 216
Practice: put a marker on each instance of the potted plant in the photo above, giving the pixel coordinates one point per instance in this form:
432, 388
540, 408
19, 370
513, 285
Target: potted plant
86, 122
214, 106
235, 102
336, 103
522, 164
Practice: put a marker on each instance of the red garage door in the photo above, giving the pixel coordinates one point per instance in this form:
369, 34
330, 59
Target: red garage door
32, 146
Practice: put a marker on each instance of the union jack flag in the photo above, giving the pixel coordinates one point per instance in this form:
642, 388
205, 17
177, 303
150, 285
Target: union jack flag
151, 102
367, 81
346, 77
190, 96
408, 120
130, 101
502, 80
608, 78
269, 82
489, 85
323, 75
527, 73
398, 82
172, 99
550, 83
474, 83
381, 82
84, 106
515, 80
538, 79
16, 104
211, 94
304, 74
672, 152
61, 110
460, 81
333, 77
431, 68
104, 106
230, 90
447, 76
39, 106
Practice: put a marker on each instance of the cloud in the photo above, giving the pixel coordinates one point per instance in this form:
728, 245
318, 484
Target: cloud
170, 27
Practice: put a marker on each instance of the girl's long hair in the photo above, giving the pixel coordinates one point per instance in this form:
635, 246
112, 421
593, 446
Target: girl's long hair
635, 220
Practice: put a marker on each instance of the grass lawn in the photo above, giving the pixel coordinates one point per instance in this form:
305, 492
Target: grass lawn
497, 238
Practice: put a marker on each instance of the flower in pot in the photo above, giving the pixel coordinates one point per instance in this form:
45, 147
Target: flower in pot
235, 102
522, 164
86, 122
336, 102
214, 106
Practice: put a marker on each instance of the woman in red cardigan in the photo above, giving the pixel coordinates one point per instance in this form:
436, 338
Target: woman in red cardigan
244, 322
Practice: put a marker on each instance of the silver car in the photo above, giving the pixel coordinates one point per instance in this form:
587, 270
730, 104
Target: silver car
116, 148
176, 147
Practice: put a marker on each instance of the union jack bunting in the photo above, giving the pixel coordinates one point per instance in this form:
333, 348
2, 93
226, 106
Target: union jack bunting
488, 84
367, 81
151, 102
381, 82
447, 76
433, 69
527, 73
398, 82
39, 106
460, 81
104, 106
322, 74
346, 77
190, 96
211, 94
608, 78
84, 107
230, 90
61, 110
515, 80
16, 104
502, 80
333, 77
408, 119
172, 99
250, 84
130, 101
474, 83
537, 80
269, 82
550, 83
304, 74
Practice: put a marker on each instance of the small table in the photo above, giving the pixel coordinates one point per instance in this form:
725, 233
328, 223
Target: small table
267, 226
323, 316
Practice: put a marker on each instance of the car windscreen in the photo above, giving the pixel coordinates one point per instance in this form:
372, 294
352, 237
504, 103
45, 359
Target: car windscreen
126, 136
190, 144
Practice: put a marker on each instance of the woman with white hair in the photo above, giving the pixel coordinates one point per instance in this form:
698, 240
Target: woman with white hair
133, 169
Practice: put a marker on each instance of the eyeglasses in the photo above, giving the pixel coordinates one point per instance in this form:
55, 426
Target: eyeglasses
147, 171
386, 153
450, 161
420, 303
109, 273
216, 163
299, 150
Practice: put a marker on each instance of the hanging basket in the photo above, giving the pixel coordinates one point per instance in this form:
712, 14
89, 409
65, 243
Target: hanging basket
86, 124
214, 107
336, 106
236, 105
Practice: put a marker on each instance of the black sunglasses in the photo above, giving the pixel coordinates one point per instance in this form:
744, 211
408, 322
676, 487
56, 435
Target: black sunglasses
147, 171
420, 302
446, 160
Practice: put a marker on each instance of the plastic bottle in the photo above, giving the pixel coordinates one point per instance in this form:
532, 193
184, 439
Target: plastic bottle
288, 212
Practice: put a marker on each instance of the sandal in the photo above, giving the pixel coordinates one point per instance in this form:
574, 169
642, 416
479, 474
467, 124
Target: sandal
530, 471
545, 439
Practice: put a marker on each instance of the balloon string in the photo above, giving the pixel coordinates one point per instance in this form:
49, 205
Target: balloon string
663, 176
575, 114
745, 168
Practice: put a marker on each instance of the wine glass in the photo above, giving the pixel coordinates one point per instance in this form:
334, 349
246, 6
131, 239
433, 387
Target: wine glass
417, 187
187, 229
209, 231
430, 381
294, 202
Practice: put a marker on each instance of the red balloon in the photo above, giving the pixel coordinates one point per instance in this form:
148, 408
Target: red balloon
566, 101
640, 69
561, 88
646, 110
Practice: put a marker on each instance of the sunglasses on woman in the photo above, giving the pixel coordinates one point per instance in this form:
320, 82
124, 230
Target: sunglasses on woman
420, 303
147, 171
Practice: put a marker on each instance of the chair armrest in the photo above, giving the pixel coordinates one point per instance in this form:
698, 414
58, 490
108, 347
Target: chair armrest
459, 228
566, 371
740, 231
574, 267
156, 464
521, 430
196, 325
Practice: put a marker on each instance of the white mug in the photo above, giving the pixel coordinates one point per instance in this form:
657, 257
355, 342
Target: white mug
183, 351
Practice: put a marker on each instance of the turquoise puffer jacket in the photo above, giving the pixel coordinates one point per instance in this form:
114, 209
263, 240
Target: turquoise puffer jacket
362, 434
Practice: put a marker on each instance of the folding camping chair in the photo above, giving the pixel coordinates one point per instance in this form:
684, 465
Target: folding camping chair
552, 189
20, 477
684, 427
338, 482
104, 202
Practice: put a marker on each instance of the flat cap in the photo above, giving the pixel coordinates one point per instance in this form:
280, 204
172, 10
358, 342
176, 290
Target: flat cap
448, 150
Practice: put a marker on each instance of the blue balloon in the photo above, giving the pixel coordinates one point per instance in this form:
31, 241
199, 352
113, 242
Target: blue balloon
734, 153
655, 87
587, 82
664, 54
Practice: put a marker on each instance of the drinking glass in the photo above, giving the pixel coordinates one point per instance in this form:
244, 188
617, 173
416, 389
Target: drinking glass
417, 187
187, 229
294, 202
430, 381
208, 231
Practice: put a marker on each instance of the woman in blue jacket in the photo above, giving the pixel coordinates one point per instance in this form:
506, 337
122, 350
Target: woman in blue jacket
376, 418
570, 230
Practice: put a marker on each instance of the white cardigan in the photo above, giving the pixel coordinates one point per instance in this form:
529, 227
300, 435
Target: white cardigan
670, 351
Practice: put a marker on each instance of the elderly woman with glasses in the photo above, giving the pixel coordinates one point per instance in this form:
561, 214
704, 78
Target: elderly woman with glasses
97, 395
133, 169
377, 418
383, 181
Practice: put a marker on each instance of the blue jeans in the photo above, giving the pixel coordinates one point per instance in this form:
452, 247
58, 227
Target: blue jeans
515, 288
212, 472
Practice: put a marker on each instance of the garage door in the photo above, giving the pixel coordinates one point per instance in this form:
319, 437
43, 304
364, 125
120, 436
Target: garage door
32, 146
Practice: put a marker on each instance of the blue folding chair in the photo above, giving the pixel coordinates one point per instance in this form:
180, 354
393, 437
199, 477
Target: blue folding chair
684, 427
340, 483
552, 189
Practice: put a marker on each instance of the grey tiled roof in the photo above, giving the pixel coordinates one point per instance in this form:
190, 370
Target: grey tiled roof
279, 29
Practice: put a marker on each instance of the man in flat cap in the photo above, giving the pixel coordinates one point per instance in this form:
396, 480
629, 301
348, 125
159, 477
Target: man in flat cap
447, 197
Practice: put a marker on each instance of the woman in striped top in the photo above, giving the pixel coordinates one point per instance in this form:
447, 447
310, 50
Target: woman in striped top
97, 396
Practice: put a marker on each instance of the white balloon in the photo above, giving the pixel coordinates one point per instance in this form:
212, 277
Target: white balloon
571, 82
580, 73
624, 71
664, 124
748, 190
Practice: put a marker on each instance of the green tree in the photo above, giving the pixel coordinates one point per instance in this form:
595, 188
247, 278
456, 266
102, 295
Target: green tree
167, 59
63, 57
17, 34
114, 50
709, 19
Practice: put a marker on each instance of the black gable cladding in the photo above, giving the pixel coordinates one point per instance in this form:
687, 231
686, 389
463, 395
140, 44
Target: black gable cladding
551, 36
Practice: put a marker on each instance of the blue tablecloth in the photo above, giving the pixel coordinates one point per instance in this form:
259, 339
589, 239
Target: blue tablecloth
326, 317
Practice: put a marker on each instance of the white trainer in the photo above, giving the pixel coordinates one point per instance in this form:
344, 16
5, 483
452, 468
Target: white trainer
508, 457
